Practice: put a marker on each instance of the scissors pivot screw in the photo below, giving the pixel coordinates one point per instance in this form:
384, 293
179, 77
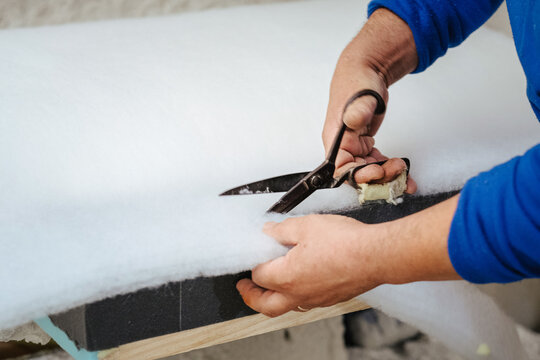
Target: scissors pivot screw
316, 181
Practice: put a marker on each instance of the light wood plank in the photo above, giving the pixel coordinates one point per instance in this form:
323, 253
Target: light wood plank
172, 344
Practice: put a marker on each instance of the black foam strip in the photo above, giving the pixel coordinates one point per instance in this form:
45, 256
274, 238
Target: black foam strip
192, 303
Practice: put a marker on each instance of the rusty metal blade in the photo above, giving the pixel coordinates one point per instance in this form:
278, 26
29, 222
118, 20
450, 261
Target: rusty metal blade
276, 184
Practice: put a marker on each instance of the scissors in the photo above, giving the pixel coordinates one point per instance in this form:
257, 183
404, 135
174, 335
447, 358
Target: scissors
299, 186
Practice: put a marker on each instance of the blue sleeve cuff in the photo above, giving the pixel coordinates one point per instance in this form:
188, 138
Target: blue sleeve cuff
424, 57
438, 25
495, 233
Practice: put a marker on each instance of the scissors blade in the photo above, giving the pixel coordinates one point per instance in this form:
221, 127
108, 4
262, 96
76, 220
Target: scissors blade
292, 198
275, 184
320, 178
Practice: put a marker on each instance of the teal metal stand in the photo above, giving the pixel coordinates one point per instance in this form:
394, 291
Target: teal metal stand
64, 341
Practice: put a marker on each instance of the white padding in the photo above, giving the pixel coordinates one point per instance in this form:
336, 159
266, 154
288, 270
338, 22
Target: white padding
116, 137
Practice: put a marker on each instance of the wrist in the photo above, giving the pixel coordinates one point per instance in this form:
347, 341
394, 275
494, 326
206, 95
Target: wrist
415, 248
368, 250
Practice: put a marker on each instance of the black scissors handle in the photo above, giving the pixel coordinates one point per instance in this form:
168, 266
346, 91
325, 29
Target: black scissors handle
349, 174
323, 175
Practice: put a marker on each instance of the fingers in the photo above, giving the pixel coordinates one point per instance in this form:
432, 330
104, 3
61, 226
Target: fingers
287, 232
370, 173
411, 186
378, 174
263, 292
358, 145
356, 149
268, 302
273, 274
367, 174
391, 168
376, 154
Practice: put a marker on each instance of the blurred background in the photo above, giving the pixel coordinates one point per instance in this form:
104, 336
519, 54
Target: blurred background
369, 334
24, 13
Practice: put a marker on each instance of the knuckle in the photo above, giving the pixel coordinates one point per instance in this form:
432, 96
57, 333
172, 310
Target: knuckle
366, 144
287, 284
287, 222
287, 281
271, 313
311, 218
256, 277
276, 310
295, 226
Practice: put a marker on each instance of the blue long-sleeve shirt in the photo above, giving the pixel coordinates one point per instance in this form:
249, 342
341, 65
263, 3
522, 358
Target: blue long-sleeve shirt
495, 233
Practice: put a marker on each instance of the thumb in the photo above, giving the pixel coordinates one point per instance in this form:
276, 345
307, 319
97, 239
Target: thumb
268, 302
359, 114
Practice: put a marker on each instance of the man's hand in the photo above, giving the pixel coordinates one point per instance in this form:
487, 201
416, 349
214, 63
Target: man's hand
330, 261
379, 55
334, 258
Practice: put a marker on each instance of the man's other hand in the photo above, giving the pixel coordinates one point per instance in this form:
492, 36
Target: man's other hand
334, 258
331, 260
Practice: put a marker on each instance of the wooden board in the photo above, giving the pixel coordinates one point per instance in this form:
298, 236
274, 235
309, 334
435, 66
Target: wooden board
172, 344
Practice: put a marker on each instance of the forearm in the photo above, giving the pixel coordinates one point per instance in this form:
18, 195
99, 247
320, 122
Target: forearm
415, 247
385, 45
381, 53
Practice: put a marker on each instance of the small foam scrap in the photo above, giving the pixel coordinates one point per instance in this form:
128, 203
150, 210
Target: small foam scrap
390, 191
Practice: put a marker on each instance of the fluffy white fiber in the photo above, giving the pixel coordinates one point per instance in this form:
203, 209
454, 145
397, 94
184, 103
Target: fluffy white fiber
116, 137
